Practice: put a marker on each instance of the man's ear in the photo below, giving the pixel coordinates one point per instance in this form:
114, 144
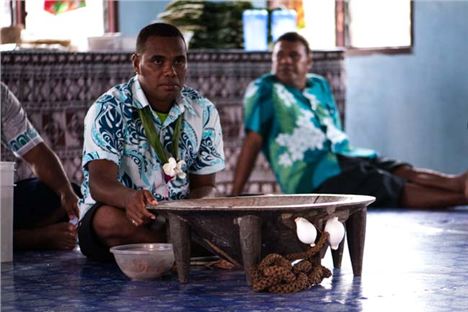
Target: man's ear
309, 61
136, 63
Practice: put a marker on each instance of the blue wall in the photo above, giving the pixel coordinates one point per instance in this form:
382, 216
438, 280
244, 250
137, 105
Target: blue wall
135, 14
414, 107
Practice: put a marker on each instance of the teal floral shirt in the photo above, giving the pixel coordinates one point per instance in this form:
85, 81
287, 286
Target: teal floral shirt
301, 130
114, 131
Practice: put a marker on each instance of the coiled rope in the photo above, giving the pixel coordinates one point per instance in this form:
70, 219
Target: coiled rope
275, 273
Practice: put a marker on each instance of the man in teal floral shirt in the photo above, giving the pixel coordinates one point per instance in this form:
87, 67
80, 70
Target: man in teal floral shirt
146, 140
292, 117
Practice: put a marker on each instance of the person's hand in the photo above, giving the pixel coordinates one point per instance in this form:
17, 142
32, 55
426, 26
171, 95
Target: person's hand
135, 207
69, 202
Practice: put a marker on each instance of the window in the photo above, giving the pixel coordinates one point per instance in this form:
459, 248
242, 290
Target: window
319, 24
378, 25
41, 24
360, 26
93, 19
5, 14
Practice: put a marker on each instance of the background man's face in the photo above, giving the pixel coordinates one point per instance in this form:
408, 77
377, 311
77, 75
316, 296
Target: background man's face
291, 63
162, 68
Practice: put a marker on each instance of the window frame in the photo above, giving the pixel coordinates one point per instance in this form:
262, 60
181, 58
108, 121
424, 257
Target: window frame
342, 34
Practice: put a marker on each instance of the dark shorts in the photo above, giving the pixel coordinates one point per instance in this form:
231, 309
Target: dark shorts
34, 202
90, 244
93, 248
367, 176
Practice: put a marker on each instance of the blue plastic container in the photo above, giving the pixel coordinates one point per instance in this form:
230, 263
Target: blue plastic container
255, 26
282, 21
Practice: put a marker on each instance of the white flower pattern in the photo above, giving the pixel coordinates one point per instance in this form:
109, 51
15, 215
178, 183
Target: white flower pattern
285, 160
286, 97
314, 103
334, 134
304, 137
252, 89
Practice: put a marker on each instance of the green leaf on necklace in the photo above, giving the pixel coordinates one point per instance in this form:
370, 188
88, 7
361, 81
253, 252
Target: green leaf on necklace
153, 135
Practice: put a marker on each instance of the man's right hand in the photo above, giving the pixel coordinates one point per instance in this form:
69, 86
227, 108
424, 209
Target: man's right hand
135, 207
246, 161
106, 189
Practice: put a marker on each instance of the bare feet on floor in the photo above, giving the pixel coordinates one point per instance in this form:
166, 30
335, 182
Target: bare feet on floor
465, 177
59, 236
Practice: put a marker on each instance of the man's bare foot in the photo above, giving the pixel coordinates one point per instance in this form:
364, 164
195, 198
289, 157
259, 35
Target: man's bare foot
60, 236
465, 184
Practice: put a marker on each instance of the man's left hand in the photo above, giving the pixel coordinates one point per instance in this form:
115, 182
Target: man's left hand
69, 202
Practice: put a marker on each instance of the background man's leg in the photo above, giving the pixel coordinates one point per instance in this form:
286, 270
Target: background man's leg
419, 196
39, 220
434, 179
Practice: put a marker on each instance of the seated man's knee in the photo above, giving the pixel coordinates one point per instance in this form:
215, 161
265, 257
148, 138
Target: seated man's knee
107, 222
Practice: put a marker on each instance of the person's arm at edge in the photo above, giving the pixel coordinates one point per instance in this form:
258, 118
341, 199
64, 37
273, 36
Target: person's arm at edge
332, 104
247, 158
48, 168
202, 185
106, 189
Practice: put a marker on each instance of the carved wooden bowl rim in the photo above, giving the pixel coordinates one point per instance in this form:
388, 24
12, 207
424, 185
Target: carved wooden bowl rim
271, 202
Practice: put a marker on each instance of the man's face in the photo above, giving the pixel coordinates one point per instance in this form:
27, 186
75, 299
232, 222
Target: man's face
291, 63
161, 69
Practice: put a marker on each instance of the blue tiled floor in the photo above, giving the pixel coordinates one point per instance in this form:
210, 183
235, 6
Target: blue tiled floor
414, 261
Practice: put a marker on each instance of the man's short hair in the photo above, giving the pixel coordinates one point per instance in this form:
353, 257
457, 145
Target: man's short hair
294, 37
156, 30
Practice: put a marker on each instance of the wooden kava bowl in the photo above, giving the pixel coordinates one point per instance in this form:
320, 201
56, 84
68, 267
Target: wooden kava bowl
245, 229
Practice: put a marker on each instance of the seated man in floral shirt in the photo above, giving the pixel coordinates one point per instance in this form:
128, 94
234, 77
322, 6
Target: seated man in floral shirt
292, 117
147, 140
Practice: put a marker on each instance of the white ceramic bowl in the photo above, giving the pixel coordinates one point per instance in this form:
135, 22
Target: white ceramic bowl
144, 261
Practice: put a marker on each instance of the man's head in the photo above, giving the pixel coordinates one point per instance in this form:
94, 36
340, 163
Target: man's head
160, 61
291, 59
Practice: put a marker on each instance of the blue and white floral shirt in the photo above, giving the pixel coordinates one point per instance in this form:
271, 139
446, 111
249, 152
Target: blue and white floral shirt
113, 131
301, 131
17, 133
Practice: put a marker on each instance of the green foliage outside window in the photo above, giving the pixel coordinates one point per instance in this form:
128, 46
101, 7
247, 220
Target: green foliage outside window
215, 25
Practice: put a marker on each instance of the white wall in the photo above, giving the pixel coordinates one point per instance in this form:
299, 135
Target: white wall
414, 107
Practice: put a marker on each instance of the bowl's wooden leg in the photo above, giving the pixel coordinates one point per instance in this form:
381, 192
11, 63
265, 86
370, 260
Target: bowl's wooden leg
337, 255
356, 234
180, 239
250, 234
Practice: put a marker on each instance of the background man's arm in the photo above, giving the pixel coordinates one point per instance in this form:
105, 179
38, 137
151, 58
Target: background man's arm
106, 189
202, 185
48, 168
247, 157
